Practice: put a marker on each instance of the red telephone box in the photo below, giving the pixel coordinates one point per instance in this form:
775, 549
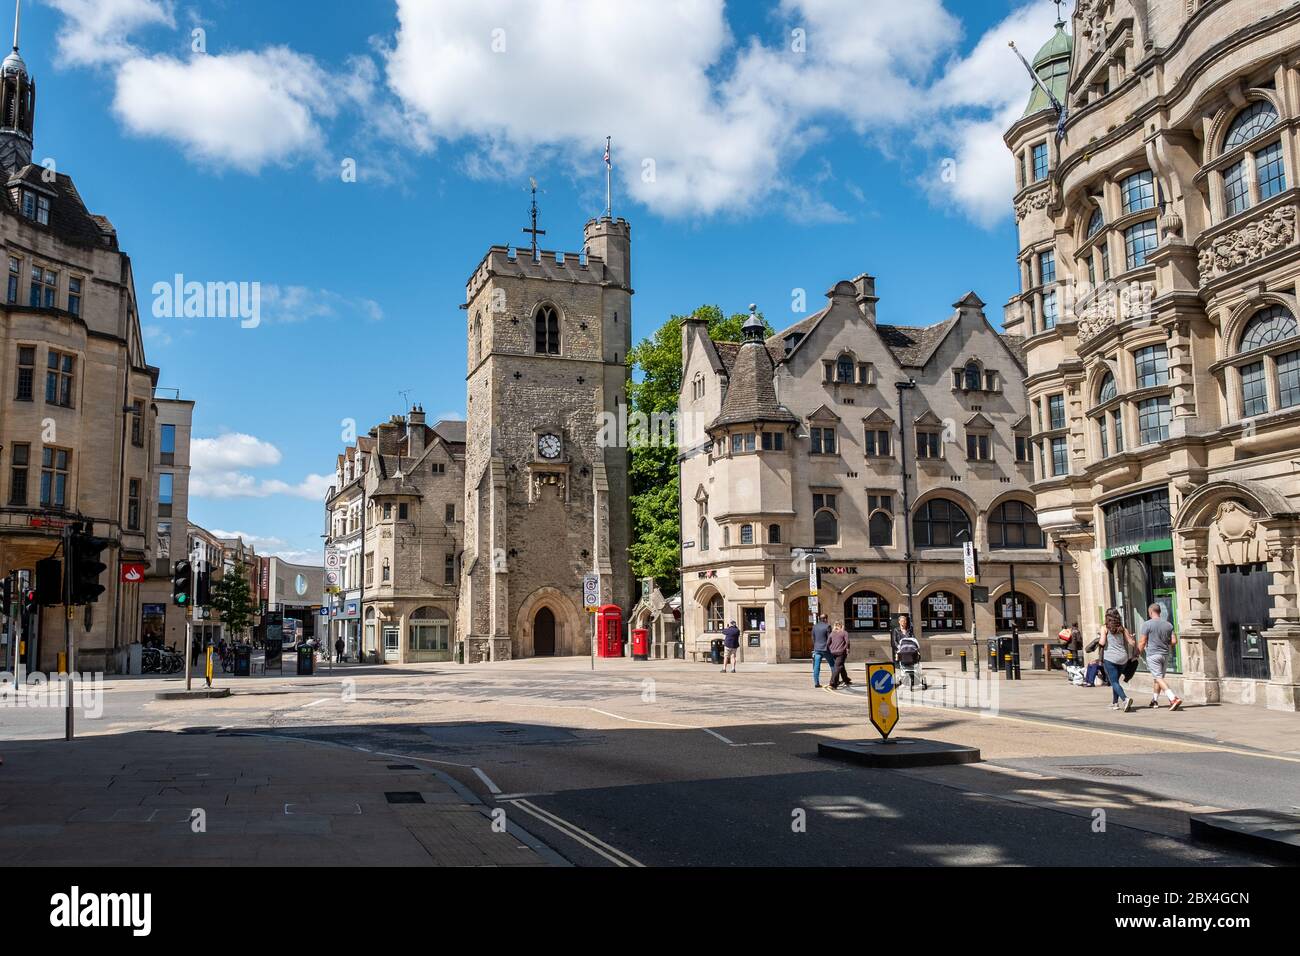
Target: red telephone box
640, 644
609, 631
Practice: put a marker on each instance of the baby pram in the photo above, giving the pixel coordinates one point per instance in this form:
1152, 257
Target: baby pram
908, 655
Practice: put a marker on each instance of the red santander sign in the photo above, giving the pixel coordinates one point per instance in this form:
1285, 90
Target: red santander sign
132, 572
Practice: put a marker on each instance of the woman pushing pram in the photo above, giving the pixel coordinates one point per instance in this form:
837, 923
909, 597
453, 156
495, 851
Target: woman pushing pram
907, 653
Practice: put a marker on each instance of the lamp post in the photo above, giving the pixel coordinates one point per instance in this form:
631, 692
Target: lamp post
902, 387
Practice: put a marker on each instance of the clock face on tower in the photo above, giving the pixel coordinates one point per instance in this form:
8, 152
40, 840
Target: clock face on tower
549, 446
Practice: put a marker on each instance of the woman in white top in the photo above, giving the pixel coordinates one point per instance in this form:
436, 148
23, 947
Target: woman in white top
1117, 647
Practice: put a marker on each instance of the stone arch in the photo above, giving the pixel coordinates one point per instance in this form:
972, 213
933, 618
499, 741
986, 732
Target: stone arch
1200, 508
1240, 317
1096, 374
570, 636
968, 504
1030, 589
1229, 112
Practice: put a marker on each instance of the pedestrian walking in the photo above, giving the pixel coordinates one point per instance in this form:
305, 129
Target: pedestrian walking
730, 646
1117, 648
838, 645
821, 635
1156, 641
338, 649
902, 629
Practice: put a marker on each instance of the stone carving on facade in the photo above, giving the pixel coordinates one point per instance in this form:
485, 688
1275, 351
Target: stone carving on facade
1279, 661
1236, 533
1097, 316
1240, 247
1091, 15
1194, 662
1028, 204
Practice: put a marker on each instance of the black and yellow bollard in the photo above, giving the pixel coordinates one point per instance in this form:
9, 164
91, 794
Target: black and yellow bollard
1010, 668
963, 660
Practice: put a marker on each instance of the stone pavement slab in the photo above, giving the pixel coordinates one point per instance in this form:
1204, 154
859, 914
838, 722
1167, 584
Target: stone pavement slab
162, 799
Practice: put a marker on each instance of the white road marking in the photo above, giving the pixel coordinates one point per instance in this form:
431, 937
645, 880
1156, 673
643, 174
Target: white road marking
323, 700
579, 835
714, 733
487, 780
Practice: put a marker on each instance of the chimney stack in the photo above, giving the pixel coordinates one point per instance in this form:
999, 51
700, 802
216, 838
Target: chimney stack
866, 296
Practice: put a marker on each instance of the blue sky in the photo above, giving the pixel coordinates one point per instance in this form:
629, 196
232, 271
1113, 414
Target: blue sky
759, 147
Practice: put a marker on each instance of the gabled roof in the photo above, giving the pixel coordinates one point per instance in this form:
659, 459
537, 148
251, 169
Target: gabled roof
878, 416
451, 430
978, 421
928, 417
69, 218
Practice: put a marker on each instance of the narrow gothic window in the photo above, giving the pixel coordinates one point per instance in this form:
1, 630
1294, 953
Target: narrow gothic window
547, 326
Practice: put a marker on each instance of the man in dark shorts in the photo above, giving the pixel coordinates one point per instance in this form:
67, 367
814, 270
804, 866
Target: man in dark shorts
730, 646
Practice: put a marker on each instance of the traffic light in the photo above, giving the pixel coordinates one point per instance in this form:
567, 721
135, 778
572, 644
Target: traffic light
86, 567
49, 582
30, 604
181, 573
7, 596
203, 587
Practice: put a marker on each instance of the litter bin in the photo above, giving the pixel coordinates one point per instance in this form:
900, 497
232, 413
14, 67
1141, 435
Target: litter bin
243, 660
1040, 657
306, 659
715, 650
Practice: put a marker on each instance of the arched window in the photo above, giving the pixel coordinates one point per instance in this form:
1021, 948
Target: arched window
1241, 190
774, 534
1015, 607
1252, 121
940, 523
704, 534
826, 528
387, 571
974, 377
476, 340
1097, 223
697, 385
1268, 326
866, 611
880, 529
1107, 390
547, 328
943, 611
746, 534
713, 616
846, 369
1013, 524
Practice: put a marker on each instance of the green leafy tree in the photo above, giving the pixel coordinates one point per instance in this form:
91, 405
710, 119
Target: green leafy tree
232, 601
655, 551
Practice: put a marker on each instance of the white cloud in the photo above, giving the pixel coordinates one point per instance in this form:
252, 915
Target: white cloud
295, 303
259, 542
231, 451
95, 31
667, 80
219, 469
243, 110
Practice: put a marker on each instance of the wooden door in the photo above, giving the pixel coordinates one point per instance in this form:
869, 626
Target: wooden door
544, 633
800, 630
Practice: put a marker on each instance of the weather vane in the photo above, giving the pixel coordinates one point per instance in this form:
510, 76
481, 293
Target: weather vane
533, 213
1059, 4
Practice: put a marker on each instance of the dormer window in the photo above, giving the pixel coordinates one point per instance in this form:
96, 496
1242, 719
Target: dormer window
36, 207
845, 369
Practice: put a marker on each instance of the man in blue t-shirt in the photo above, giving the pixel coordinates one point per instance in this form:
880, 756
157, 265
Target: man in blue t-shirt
730, 646
821, 636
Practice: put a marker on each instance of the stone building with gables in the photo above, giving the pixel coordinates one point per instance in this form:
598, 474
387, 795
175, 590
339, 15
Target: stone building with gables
805, 440
1160, 273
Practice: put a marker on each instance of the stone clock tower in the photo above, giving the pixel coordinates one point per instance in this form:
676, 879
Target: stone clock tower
546, 494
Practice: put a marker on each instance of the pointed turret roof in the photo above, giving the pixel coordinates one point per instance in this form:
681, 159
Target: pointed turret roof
1052, 64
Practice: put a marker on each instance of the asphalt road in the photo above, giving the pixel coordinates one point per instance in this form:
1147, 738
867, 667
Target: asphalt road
649, 764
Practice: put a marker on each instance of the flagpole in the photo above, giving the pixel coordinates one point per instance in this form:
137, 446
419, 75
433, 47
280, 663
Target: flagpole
609, 201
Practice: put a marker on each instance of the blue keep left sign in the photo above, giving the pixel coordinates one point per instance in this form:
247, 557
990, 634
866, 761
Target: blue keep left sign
882, 682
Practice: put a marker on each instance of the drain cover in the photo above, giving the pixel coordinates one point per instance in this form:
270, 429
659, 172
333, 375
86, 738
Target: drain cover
1097, 770
404, 796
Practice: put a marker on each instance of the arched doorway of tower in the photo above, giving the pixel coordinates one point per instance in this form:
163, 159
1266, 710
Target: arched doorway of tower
800, 630
544, 633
